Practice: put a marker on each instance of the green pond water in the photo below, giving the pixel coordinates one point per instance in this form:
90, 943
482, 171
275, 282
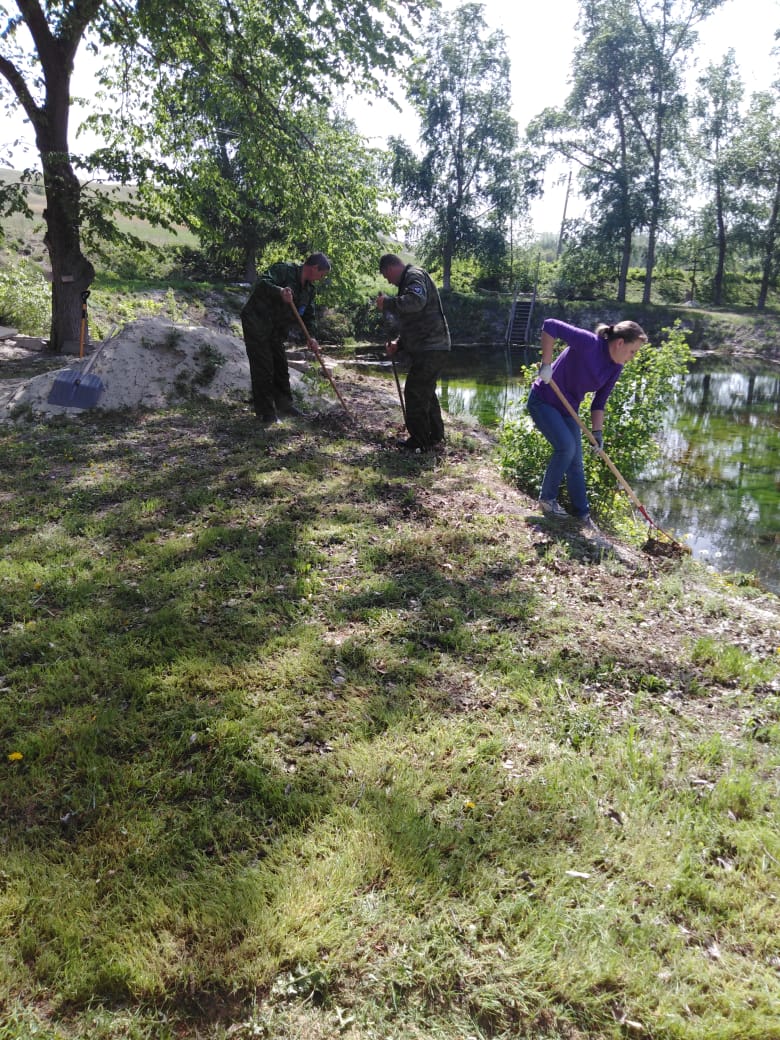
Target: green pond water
716, 484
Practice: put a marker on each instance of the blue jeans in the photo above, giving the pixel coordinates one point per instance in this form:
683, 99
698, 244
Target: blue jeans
564, 434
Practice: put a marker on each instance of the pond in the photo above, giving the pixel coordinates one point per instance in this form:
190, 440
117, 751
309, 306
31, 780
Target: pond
717, 481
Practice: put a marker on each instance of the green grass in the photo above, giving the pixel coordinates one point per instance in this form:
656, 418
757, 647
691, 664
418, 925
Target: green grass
316, 742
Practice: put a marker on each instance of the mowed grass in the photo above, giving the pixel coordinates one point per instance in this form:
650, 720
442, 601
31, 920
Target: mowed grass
290, 750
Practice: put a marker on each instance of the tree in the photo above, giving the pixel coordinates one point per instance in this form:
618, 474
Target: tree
467, 180
56, 35
243, 198
757, 161
718, 113
625, 118
265, 52
595, 131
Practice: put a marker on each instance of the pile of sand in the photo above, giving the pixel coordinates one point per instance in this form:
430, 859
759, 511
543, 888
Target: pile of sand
149, 364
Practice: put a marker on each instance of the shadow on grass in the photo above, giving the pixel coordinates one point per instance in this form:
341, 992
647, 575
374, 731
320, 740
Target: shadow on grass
171, 679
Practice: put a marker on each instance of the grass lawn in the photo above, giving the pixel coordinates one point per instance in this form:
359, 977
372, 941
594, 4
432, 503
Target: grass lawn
305, 738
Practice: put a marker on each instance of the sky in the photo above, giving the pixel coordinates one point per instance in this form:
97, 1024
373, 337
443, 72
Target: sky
540, 48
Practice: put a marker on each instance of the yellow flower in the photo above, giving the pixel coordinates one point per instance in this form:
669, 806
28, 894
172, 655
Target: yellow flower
15, 756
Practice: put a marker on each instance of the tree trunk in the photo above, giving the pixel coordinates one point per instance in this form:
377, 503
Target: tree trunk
768, 265
72, 273
448, 250
250, 265
446, 263
717, 285
649, 263
652, 231
625, 261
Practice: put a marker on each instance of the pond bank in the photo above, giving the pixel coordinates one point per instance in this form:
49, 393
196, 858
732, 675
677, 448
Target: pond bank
481, 320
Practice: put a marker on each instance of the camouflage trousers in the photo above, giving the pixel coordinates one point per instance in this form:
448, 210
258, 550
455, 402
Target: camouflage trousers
423, 413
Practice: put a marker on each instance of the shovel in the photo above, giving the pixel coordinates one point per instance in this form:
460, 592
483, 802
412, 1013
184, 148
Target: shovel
618, 475
310, 343
75, 387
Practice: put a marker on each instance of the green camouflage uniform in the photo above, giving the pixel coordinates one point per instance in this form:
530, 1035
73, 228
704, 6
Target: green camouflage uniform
425, 337
266, 320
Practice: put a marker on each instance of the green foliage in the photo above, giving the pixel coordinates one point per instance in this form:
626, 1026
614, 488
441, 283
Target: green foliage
470, 163
586, 266
634, 415
25, 298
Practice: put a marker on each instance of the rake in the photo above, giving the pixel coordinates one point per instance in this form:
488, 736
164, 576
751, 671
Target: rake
398, 388
616, 472
311, 344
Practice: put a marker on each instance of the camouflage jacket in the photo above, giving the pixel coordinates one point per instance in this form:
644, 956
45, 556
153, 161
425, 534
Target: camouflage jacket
419, 313
266, 301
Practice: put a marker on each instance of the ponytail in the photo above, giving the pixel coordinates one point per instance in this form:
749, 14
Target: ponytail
628, 331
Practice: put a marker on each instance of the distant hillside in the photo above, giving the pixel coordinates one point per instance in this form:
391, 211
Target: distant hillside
24, 235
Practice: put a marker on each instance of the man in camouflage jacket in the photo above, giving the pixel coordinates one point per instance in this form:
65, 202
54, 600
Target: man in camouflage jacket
425, 337
266, 320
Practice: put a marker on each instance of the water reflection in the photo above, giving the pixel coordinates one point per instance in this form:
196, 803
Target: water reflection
718, 478
717, 482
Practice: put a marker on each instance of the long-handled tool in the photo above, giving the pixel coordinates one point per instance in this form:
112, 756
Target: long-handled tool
398, 388
76, 387
312, 345
618, 475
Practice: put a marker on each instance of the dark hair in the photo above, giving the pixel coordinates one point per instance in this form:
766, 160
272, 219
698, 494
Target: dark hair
318, 260
389, 260
625, 330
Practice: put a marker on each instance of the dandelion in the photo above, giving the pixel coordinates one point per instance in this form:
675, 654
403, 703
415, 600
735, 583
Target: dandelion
15, 756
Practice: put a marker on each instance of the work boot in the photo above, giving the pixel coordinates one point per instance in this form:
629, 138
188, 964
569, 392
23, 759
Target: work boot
267, 418
288, 408
551, 507
586, 523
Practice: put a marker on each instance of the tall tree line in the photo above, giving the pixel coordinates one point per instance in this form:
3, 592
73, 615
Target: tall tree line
224, 118
645, 148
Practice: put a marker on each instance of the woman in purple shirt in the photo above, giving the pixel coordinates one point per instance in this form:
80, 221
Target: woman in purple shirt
591, 363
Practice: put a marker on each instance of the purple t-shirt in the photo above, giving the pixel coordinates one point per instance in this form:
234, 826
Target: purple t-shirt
583, 367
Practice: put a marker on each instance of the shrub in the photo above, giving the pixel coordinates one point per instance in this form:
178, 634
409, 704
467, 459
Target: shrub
634, 415
25, 299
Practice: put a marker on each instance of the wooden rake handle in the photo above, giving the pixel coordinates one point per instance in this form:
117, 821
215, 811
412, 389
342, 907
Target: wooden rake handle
617, 474
310, 343
398, 387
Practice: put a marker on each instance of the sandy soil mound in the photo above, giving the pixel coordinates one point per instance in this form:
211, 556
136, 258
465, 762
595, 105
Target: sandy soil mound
149, 364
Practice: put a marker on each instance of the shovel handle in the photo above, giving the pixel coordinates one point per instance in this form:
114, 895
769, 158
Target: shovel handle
83, 328
313, 347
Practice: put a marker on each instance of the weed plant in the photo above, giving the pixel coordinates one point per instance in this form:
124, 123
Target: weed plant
634, 415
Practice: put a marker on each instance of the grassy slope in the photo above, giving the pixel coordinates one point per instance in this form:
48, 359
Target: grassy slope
319, 740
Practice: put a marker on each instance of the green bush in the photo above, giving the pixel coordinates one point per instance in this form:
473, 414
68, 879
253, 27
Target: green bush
25, 299
634, 415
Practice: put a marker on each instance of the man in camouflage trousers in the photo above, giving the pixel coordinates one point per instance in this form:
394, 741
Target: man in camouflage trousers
266, 320
425, 337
